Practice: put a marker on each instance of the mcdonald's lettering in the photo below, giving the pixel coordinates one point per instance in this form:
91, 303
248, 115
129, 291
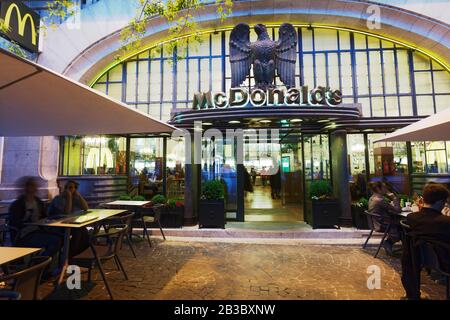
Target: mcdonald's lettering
22, 24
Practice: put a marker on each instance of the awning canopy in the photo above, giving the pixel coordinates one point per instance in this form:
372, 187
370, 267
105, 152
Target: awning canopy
35, 101
433, 128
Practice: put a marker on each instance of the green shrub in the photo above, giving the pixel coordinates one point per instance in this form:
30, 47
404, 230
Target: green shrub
363, 203
125, 197
159, 199
320, 189
172, 203
213, 190
138, 198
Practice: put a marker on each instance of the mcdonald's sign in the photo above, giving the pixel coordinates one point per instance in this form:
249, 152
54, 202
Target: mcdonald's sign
21, 24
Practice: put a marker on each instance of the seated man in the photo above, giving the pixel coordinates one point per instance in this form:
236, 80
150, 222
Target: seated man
379, 204
71, 202
29, 208
427, 224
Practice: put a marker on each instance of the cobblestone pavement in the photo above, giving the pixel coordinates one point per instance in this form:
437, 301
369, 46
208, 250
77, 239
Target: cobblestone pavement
221, 270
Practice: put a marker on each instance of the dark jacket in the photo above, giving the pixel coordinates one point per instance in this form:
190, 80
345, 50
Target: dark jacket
382, 207
275, 180
430, 224
248, 186
17, 212
427, 224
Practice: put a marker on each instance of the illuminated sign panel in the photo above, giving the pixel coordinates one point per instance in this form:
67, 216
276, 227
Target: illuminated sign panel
242, 97
22, 24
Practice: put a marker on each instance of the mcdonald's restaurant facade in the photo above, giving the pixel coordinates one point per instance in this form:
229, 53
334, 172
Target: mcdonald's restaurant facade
386, 78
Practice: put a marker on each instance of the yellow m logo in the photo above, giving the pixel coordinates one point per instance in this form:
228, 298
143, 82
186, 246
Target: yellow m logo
21, 21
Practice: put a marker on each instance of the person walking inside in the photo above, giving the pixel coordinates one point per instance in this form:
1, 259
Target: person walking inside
253, 174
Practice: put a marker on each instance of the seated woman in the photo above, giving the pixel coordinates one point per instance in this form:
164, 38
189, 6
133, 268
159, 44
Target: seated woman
380, 204
29, 208
71, 202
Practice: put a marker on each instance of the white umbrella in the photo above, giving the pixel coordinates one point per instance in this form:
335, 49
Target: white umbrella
433, 128
35, 101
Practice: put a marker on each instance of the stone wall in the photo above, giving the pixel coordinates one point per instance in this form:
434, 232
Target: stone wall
28, 156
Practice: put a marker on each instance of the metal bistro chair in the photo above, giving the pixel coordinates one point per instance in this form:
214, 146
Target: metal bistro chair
429, 257
371, 216
406, 228
149, 215
26, 282
109, 226
97, 254
5, 230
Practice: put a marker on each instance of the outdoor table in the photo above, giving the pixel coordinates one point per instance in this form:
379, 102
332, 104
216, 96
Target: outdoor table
132, 205
74, 221
125, 203
9, 254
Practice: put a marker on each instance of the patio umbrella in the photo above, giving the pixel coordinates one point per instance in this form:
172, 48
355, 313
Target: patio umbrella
433, 128
35, 101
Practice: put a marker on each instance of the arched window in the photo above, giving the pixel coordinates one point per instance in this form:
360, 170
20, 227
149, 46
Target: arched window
390, 80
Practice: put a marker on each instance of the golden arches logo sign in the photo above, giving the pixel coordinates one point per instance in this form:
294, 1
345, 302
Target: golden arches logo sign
21, 24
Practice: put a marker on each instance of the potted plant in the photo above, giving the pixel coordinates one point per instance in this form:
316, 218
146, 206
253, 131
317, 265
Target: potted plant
158, 199
323, 208
125, 197
172, 216
212, 205
359, 218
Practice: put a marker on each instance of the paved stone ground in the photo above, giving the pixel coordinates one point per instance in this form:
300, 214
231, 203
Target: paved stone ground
230, 270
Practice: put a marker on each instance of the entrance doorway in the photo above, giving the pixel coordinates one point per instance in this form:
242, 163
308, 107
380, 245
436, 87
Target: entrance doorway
290, 164
275, 170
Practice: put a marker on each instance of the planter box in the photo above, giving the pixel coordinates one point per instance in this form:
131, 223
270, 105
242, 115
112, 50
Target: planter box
172, 217
323, 213
211, 214
359, 218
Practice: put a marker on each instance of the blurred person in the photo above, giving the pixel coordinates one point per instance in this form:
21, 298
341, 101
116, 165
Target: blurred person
275, 183
263, 175
384, 203
427, 224
248, 186
26, 209
253, 175
70, 202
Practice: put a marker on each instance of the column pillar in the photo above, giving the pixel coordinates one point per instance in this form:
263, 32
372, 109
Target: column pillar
191, 182
340, 174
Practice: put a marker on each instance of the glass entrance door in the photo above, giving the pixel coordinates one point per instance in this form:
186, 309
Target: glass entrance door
292, 192
275, 189
219, 162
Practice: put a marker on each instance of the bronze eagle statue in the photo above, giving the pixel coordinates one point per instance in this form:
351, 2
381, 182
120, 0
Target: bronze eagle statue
265, 54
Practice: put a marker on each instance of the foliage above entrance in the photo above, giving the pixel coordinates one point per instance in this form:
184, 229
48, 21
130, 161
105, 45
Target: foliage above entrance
178, 13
